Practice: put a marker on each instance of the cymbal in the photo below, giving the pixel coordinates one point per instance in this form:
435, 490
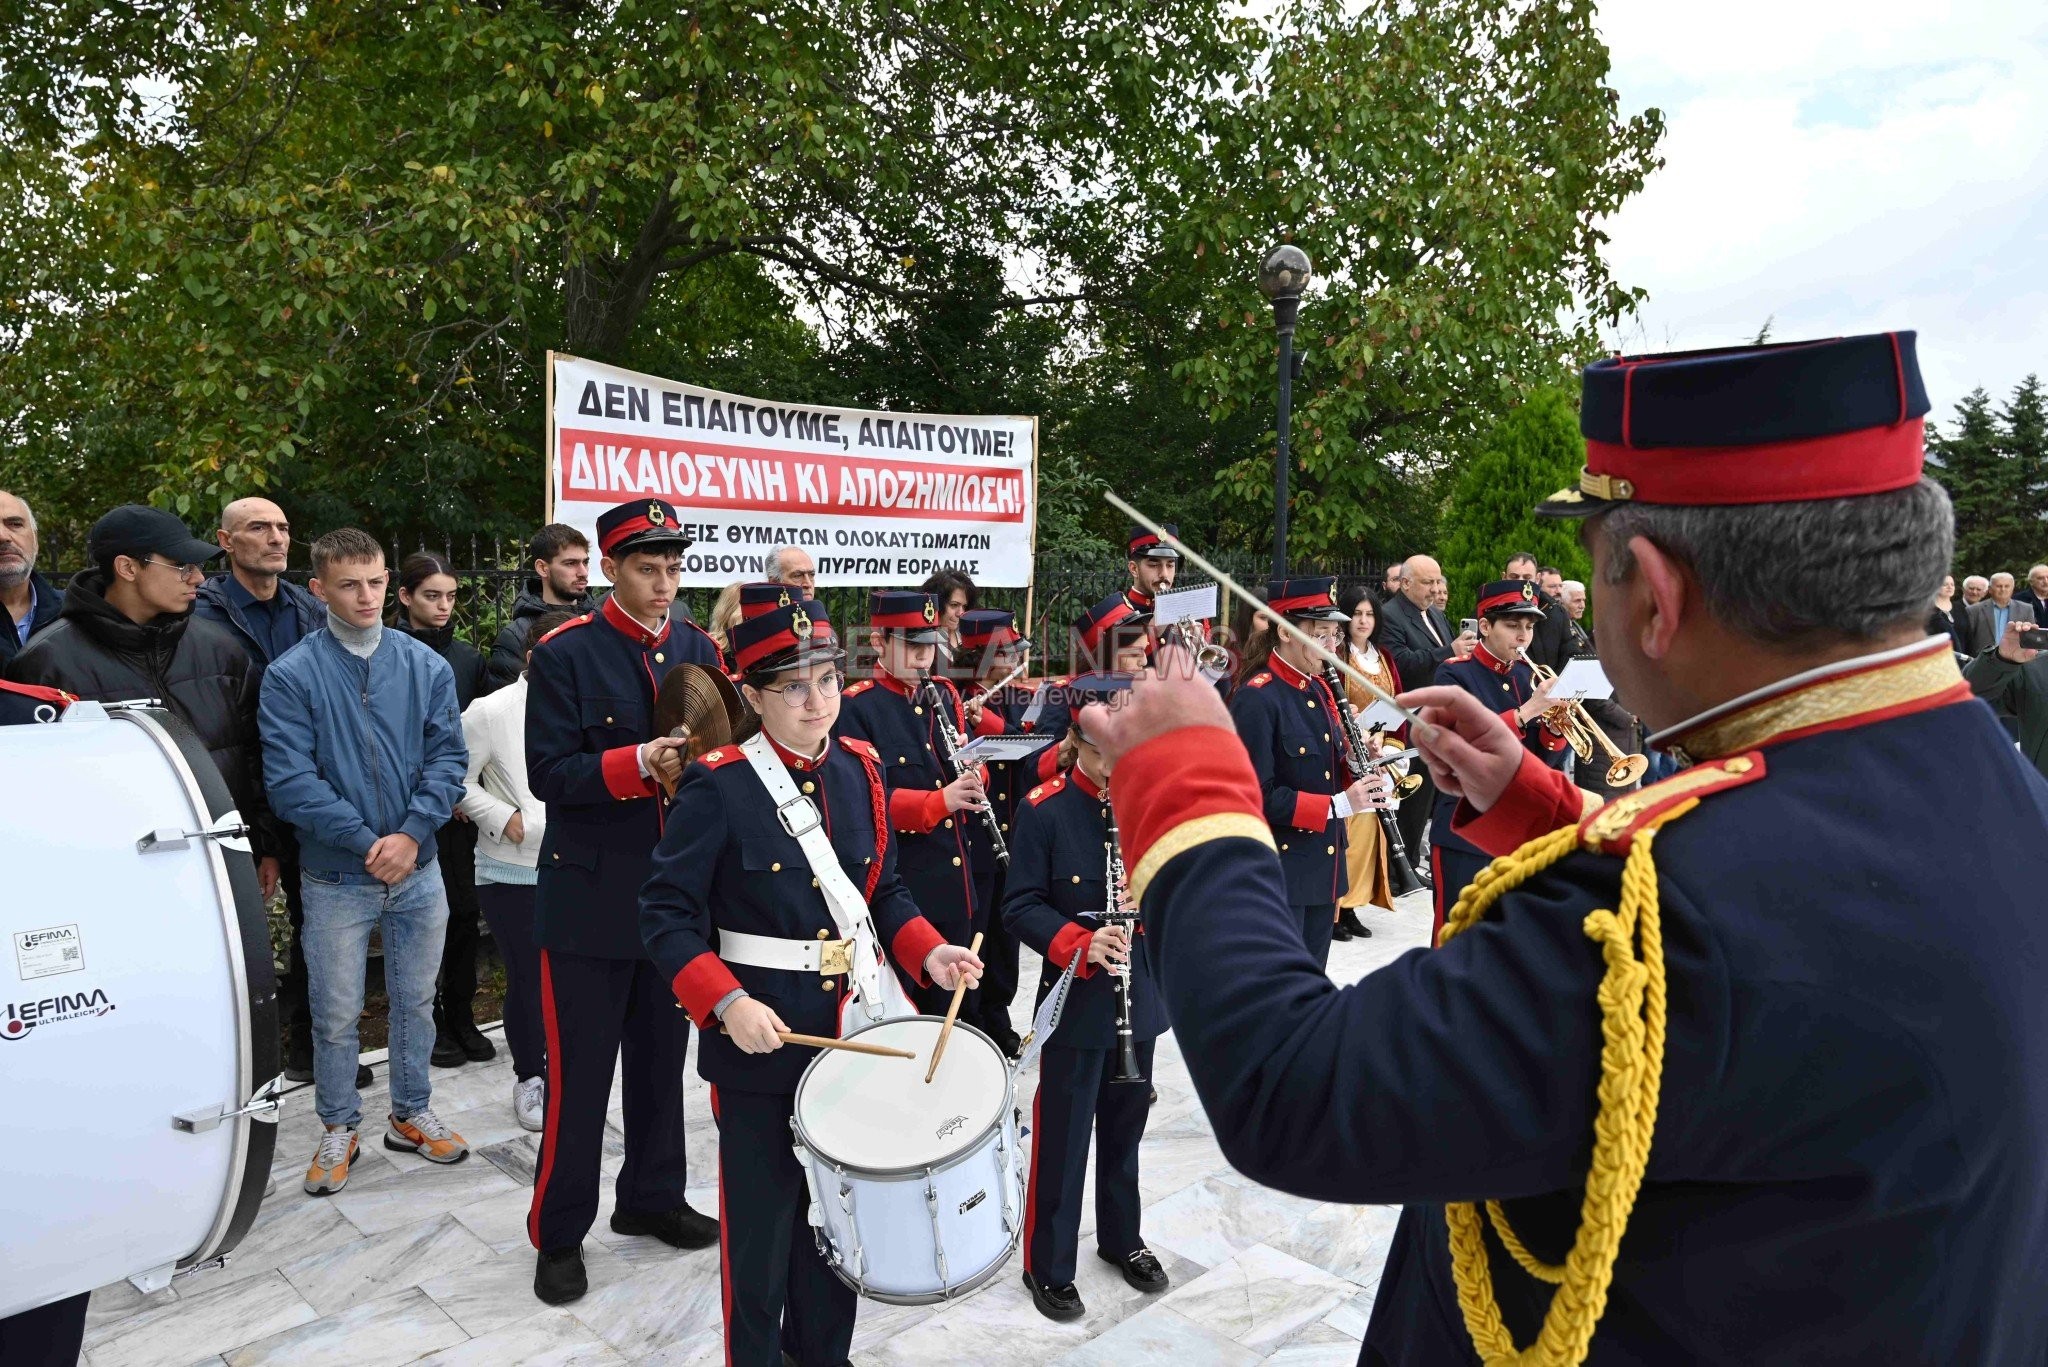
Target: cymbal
697, 703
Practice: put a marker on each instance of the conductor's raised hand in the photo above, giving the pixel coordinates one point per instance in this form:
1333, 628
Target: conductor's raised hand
949, 964
1170, 695
1470, 751
754, 1026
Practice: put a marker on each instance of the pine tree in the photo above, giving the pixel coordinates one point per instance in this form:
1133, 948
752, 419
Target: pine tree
1527, 456
1979, 483
2023, 445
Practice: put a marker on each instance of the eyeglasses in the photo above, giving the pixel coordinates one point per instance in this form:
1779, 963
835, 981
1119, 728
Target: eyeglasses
183, 571
795, 695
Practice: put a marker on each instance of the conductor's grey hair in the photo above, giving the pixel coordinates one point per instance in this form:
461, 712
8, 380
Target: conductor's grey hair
1801, 574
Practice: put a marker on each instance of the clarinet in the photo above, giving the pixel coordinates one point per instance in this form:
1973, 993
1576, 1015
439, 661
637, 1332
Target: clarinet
949, 741
1120, 912
1400, 872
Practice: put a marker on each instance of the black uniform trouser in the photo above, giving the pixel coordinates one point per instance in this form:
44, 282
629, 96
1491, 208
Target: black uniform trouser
1451, 869
456, 992
778, 1293
1414, 811
1318, 928
47, 1336
999, 966
1075, 1095
508, 909
594, 1010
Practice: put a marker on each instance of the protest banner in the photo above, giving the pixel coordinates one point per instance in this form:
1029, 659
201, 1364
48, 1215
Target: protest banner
878, 499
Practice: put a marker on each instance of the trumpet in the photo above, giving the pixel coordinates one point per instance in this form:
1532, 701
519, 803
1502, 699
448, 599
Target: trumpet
1212, 661
1571, 720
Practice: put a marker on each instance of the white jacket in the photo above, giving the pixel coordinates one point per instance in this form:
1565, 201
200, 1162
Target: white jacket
495, 729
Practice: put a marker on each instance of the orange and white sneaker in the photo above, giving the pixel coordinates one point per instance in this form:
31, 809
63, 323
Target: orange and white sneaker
428, 1136
329, 1170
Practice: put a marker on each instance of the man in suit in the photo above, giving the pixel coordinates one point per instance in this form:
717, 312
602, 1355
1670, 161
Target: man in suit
1989, 619
2035, 594
1974, 589
1418, 636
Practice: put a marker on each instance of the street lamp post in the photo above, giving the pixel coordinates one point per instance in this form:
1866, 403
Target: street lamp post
1281, 279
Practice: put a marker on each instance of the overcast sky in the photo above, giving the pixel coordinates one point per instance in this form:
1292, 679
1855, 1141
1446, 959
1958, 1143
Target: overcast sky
1842, 168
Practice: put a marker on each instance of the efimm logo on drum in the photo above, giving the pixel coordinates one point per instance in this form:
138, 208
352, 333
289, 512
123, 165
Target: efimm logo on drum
23, 1017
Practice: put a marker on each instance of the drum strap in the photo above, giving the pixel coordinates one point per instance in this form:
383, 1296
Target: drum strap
880, 996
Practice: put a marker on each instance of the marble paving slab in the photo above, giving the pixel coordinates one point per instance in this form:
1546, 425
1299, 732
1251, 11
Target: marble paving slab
658, 1306
1260, 1298
389, 1200
1157, 1334
1210, 1221
378, 1264
1317, 1346
486, 1296
376, 1333
201, 1325
550, 1338
1346, 1241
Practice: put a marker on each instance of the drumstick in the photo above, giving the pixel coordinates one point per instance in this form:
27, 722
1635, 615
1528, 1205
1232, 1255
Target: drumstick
850, 1046
1415, 721
952, 1012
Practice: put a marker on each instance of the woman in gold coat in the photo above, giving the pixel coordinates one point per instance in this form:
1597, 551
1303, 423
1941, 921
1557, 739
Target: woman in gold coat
1367, 855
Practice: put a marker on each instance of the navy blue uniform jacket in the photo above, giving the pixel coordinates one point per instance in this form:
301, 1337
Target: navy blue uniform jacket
1058, 885
1501, 688
932, 847
725, 862
589, 708
1288, 723
1850, 1160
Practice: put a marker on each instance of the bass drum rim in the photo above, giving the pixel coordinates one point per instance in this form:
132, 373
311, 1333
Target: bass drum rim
247, 940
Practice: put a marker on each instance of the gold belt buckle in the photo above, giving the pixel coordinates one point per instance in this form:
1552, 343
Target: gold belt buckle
835, 958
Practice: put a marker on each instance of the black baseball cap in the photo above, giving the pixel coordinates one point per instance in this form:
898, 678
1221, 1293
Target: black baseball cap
135, 530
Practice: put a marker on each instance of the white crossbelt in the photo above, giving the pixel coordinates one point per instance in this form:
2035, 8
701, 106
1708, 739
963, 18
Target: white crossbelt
879, 996
791, 956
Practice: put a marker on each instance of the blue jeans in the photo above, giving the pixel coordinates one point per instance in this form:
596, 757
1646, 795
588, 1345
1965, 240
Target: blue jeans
340, 910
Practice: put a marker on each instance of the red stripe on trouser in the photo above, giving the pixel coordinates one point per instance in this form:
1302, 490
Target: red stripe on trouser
1436, 895
554, 1109
724, 1255
1031, 1186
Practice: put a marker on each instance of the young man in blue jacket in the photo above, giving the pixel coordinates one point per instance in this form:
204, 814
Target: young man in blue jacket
363, 749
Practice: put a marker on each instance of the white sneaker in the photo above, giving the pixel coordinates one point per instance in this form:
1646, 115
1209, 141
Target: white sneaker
530, 1102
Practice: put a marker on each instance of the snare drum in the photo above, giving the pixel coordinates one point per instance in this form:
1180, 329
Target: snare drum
140, 1009
917, 1191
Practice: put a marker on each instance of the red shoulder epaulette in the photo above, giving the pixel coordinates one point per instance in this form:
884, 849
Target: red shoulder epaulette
1612, 828
572, 622
854, 690
40, 693
1045, 790
719, 758
1260, 679
860, 747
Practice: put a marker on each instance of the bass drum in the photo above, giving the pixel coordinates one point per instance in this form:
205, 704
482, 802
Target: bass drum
141, 1008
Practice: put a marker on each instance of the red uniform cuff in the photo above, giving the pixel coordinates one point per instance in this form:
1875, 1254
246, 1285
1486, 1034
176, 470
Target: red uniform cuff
917, 810
622, 776
701, 985
1538, 800
913, 945
990, 722
1311, 811
1182, 776
1071, 945
1513, 717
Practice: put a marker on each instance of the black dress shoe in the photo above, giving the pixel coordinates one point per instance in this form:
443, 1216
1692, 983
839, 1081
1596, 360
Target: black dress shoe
678, 1228
1140, 1269
475, 1045
558, 1275
1347, 919
1055, 1302
364, 1077
448, 1051
1340, 932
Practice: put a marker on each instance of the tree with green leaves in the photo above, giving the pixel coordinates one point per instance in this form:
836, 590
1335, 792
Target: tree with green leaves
2023, 445
1528, 455
1985, 485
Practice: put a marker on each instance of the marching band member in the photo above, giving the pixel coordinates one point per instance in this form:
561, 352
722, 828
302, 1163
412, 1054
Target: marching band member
1064, 874
1497, 674
740, 927
591, 686
1287, 718
1152, 566
928, 806
990, 648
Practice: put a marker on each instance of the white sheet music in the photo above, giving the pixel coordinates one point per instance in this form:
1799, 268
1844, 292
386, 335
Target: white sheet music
1195, 604
1001, 749
1382, 715
1582, 678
